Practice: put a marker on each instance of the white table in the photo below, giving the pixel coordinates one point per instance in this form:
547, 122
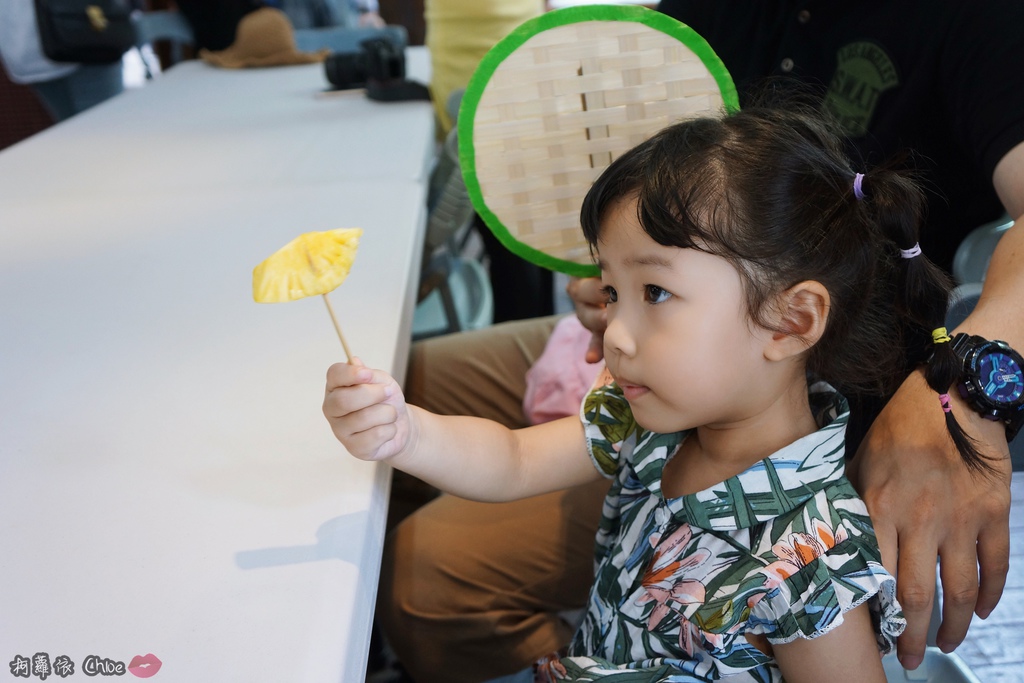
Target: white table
198, 127
168, 483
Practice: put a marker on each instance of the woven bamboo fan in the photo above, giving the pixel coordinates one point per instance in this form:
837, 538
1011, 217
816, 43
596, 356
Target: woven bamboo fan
553, 103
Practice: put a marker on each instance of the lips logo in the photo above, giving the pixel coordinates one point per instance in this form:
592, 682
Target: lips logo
144, 666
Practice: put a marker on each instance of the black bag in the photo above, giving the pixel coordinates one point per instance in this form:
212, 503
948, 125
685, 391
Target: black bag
85, 31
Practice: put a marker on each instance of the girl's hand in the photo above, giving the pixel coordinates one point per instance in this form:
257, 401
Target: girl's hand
367, 411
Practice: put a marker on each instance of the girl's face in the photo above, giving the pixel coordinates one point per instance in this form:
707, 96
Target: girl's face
679, 341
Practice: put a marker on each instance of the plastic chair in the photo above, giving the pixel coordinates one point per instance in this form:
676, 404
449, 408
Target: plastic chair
975, 252
961, 302
455, 291
345, 39
163, 25
937, 667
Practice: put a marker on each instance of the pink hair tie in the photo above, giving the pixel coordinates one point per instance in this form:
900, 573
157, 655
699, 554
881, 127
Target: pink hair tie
944, 400
912, 252
858, 190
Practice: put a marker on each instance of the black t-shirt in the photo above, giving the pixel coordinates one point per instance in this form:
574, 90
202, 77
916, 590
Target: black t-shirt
214, 21
942, 78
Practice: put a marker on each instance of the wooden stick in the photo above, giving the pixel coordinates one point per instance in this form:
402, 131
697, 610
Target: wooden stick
337, 328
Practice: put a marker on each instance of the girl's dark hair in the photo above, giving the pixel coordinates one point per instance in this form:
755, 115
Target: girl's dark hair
771, 190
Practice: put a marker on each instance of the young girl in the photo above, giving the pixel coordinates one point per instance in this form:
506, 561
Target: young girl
745, 264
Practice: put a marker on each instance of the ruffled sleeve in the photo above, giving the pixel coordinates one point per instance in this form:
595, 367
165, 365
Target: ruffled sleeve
812, 600
598, 670
608, 423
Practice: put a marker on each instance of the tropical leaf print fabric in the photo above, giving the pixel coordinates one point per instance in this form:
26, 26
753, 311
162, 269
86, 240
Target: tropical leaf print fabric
783, 549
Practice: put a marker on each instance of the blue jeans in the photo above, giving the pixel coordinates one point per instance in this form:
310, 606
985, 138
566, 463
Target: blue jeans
317, 13
86, 86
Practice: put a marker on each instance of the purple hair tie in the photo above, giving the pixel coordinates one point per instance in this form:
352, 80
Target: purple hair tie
912, 252
858, 191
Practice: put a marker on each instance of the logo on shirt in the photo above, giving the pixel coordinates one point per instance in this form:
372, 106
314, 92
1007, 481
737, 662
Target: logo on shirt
863, 72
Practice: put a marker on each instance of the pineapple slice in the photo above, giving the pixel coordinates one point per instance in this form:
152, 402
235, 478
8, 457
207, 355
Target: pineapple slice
311, 264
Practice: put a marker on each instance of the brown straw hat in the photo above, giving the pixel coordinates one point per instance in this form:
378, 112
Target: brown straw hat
264, 38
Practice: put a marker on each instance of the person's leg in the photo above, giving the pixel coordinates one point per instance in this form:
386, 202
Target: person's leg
473, 591
481, 373
327, 13
86, 86
56, 97
300, 13
91, 84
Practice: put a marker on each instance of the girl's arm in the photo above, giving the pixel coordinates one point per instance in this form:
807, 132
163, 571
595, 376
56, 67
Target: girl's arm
467, 456
846, 653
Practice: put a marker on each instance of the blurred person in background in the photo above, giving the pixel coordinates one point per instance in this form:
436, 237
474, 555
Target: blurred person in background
65, 89
459, 34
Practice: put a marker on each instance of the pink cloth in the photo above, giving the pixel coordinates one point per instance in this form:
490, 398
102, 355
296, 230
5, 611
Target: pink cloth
561, 377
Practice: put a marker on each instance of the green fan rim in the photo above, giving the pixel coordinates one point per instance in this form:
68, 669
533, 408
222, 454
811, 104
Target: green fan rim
515, 39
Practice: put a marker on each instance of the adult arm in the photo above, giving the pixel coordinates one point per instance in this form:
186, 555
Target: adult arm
923, 502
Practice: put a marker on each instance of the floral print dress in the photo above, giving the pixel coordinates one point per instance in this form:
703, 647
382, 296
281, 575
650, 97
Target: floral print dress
783, 549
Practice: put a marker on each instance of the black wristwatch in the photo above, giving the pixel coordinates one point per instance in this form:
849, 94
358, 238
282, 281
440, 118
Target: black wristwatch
991, 380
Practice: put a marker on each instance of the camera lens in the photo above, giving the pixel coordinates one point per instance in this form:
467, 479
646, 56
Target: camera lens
346, 70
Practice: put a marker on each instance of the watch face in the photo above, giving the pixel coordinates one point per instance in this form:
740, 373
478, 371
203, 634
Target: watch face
1001, 377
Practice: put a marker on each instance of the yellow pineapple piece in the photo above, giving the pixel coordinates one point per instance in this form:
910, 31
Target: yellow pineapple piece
312, 263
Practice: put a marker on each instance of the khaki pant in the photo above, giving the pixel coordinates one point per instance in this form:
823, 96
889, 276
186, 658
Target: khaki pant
471, 591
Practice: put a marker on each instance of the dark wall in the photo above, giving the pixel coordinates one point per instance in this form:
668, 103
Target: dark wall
21, 114
407, 13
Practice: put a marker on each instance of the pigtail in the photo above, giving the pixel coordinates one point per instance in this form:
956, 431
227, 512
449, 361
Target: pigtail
922, 294
942, 370
770, 189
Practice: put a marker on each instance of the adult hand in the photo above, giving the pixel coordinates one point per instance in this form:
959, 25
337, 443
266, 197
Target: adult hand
924, 503
370, 20
366, 410
588, 297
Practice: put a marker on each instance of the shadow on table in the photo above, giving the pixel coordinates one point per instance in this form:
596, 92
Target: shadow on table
333, 542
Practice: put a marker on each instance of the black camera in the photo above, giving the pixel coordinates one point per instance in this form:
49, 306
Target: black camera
379, 66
